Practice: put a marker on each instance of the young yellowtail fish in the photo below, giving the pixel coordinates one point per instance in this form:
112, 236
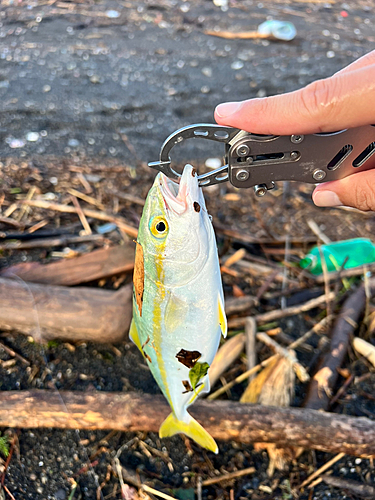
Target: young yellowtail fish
178, 307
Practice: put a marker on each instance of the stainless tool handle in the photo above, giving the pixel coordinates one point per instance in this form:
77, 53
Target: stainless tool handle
254, 160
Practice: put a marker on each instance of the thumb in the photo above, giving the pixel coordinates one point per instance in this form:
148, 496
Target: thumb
357, 191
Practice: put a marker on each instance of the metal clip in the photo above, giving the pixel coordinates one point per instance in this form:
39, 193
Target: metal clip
211, 132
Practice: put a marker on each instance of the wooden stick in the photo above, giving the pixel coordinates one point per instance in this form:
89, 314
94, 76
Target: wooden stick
250, 334
229, 476
59, 241
95, 214
11, 222
321, 385
235, 305
283, 313
81, 215
354, 487
345, 273
322, 469
54, 312
86, 198
91, 266
224, 420
243, 35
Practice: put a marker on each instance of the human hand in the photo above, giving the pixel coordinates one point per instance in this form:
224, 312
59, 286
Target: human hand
345, 100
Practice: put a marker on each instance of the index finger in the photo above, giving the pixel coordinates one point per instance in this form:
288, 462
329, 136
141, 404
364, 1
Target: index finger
344, 100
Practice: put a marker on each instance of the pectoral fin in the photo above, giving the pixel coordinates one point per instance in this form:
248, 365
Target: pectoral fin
134, 337
175, 313
222, 317
195, 431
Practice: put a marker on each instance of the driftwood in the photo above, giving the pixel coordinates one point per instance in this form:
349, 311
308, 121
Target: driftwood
321, 386
224, 420
55, 241
48, 312
88, 267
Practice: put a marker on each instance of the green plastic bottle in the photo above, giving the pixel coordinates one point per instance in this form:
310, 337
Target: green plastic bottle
341, 254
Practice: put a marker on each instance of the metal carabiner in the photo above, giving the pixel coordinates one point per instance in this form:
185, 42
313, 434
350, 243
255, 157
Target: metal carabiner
209, 131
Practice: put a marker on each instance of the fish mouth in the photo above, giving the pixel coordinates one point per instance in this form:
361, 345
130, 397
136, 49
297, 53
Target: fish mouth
179, 197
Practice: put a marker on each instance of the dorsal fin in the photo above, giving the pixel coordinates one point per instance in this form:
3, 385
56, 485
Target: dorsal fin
222, 317
134, 337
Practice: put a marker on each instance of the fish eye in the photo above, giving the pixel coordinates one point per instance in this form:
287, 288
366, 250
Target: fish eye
159, 227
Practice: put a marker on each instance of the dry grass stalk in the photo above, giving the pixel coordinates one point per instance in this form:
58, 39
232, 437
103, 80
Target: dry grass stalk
322, 469
229, 476
225, 357
129, 230
365, 349
288, 354
283, 313
88, 199
232, 259
318, 232
250, 334
81, 215
243, 35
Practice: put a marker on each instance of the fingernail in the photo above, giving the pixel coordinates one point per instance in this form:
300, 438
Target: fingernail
326, 199
227, 109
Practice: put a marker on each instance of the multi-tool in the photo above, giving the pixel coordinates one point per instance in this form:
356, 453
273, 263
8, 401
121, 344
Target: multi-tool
258, 161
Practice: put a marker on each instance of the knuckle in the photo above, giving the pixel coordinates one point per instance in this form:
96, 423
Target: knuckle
320, 101
365, 196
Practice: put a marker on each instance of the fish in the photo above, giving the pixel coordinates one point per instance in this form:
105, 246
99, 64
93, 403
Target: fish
178, 301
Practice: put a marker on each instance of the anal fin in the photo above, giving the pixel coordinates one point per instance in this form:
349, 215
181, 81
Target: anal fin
192, 429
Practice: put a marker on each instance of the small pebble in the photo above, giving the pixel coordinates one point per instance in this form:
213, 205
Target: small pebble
32, 136
207, 72
96, 79
16, 143
73, 143
236, 65
261, 93
54, 181
330, 54
112, 14
46, 88
213, 163
60, 494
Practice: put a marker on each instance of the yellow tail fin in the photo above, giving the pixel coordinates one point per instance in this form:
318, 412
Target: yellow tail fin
172, 426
